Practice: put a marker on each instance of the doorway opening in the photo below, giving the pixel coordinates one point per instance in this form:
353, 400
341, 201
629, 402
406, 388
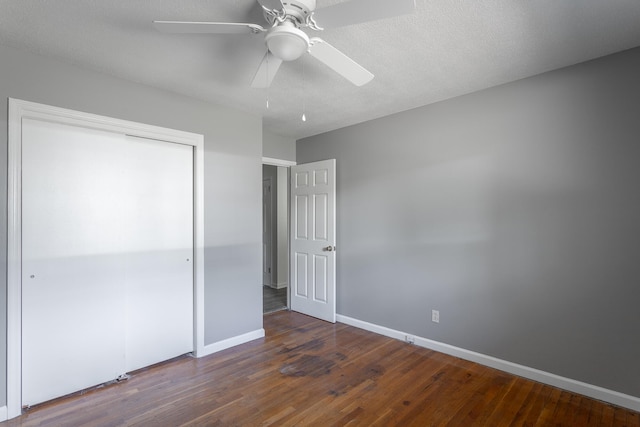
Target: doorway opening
310, 267
275, 236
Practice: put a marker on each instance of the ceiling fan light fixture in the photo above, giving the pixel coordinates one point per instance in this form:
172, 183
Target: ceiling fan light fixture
287, 42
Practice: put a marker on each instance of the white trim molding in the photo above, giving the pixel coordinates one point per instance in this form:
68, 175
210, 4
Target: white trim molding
3, 413
19, 110
281, 285
277, 162
232, 342
564, 383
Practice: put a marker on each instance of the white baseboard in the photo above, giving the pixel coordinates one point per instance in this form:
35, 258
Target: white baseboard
231, 342
281, 285
568, 384
3, 413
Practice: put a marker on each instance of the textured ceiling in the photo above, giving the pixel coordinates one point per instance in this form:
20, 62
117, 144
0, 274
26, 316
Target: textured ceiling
445, 49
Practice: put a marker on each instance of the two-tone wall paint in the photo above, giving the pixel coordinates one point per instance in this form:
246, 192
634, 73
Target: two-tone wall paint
232, 169
514, 211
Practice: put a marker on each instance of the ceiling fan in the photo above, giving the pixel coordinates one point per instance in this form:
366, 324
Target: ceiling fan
285, 40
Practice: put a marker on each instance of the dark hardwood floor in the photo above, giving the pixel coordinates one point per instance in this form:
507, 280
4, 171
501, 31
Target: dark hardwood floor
308, 372
273, 299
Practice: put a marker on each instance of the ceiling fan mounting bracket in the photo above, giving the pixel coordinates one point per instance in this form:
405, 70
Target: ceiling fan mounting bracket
311, 23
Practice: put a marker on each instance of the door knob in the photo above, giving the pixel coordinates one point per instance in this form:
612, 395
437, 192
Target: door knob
329, 249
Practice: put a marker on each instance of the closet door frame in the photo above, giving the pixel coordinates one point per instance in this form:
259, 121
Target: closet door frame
19, 109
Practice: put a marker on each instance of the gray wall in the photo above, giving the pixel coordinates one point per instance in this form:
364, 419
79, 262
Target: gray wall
233, 151
278, 147
515, 211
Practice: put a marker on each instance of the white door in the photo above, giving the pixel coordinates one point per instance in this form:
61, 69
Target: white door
107, 248
313, 239
267, 232
158, 207
71, 235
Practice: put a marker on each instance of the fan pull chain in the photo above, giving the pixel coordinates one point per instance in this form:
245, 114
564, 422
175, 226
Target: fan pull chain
267, 80
304, 93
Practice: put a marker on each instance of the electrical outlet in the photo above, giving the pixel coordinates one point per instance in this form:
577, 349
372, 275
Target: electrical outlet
410, 339
435, 316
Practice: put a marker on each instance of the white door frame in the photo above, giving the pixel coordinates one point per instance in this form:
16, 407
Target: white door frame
18, 110
277, 162
267, 225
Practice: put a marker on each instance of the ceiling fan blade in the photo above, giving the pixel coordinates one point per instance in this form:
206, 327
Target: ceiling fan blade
271, 4
358, 11
339, 62
207, 27
267, 71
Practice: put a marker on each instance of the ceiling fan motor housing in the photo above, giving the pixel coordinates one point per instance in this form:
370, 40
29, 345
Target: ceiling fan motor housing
296, 11
299, 9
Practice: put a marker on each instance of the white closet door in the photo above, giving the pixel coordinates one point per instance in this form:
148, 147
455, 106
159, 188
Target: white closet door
159, 266
72, 276
107, 256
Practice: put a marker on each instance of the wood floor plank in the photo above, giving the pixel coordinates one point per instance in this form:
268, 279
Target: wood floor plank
307, 372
